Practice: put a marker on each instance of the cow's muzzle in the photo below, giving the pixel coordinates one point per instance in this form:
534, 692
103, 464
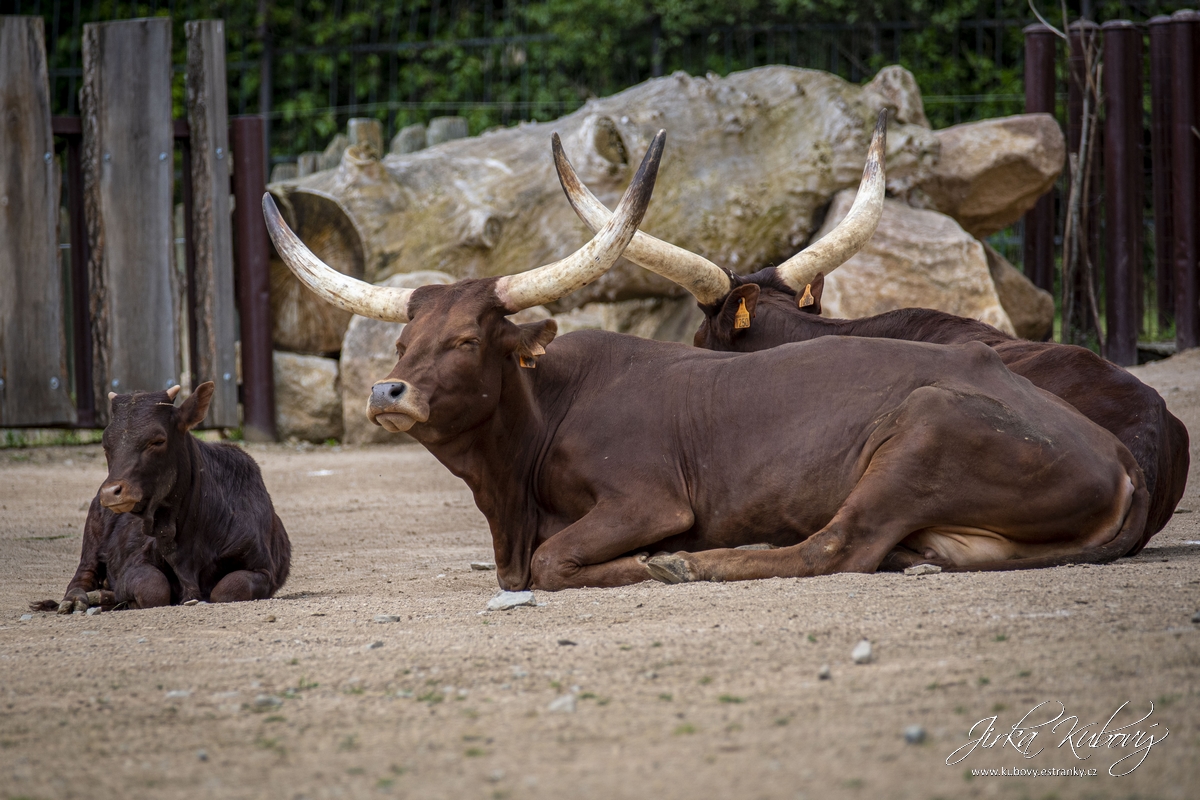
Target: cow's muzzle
396, 406
119, 496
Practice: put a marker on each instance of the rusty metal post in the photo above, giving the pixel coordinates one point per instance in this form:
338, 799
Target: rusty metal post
1083, 33
71, 129
1160, 158
1185, 173
1041, 50
252, 253
1122, 187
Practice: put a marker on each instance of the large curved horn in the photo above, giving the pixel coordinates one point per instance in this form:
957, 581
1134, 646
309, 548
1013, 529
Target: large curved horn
378, 302
546, 284
707, 282
836, 247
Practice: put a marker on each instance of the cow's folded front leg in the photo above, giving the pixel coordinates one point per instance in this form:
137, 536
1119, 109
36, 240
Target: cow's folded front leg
590, 552
844, 545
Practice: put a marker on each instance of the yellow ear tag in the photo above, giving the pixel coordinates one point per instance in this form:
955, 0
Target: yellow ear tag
741, 320
807, 298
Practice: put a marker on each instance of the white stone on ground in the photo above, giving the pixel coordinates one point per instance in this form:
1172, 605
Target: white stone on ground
506, 600
862, 652
923, 569
564, 704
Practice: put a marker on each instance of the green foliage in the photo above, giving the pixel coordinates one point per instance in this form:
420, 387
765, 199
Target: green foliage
499, 62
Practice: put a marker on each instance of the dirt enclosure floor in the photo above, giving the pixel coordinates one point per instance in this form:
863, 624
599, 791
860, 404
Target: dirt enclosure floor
693, 691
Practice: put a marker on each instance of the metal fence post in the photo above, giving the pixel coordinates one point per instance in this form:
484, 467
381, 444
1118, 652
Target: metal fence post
1083, 33
252, 251
1160, 157
1122, 187
1041, 46
1185, 180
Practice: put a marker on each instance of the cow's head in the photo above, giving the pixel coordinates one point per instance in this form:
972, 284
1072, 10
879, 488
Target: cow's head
142, 445
733, 305
459, 344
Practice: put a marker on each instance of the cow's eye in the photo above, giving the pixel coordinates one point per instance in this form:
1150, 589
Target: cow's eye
156, 443
469, 343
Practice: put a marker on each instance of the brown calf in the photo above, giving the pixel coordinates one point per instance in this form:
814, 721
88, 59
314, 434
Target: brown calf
177, 519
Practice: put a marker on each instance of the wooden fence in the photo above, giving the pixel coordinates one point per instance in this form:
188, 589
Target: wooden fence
1125, 151
122, 317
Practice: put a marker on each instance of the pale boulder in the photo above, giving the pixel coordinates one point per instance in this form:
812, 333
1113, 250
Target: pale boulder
917, 258
1031, 309
307, 403
991, 172
662, 318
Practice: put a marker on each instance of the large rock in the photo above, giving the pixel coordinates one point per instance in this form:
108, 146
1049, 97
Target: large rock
1031, 309
917, 258
663, 318
750, 158
899, 89
991, 172
308, 405
368, 355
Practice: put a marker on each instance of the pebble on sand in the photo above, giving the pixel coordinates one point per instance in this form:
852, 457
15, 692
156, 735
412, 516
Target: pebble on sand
861, 652
1195, 617
914, 734
374, 645
267, 701
388, 617
506, 600
93, 611
192, 602
482, 566
923, 569
203, 756
565, 704
26, 617
824, 673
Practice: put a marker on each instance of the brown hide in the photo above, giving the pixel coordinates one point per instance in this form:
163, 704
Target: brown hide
177, 519
612, 446
1103, 392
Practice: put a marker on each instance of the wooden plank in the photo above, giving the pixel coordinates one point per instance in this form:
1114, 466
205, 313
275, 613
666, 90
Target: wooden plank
128, 145
213, 317
34, 377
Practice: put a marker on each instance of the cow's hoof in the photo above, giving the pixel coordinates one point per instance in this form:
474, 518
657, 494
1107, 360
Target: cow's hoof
66, 606
669, 569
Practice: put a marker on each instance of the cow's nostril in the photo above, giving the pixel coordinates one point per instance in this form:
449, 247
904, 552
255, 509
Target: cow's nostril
116, 490
396, 391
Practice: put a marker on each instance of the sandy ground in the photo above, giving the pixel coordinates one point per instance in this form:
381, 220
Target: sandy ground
680, 691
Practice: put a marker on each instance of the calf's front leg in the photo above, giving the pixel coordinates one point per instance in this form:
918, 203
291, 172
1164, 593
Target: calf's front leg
242, 584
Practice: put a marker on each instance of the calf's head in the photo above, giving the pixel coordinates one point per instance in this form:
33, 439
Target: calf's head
143, 444
458, 345
738, 309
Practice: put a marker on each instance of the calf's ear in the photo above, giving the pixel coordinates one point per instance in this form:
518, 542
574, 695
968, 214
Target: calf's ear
534, 336
192, 411
738, 310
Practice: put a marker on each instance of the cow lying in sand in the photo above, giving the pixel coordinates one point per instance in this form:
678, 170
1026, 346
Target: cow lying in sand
585, 451
177, 519
782, 304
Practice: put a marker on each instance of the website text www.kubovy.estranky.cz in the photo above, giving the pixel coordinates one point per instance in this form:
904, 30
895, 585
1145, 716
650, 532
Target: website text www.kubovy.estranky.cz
1025, 772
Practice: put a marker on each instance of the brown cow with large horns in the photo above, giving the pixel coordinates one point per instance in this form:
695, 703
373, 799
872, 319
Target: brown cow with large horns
782, 304
614, 445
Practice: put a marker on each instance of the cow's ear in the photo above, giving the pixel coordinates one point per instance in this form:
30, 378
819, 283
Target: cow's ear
809, 300
737, 311
192, 411
534, 336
